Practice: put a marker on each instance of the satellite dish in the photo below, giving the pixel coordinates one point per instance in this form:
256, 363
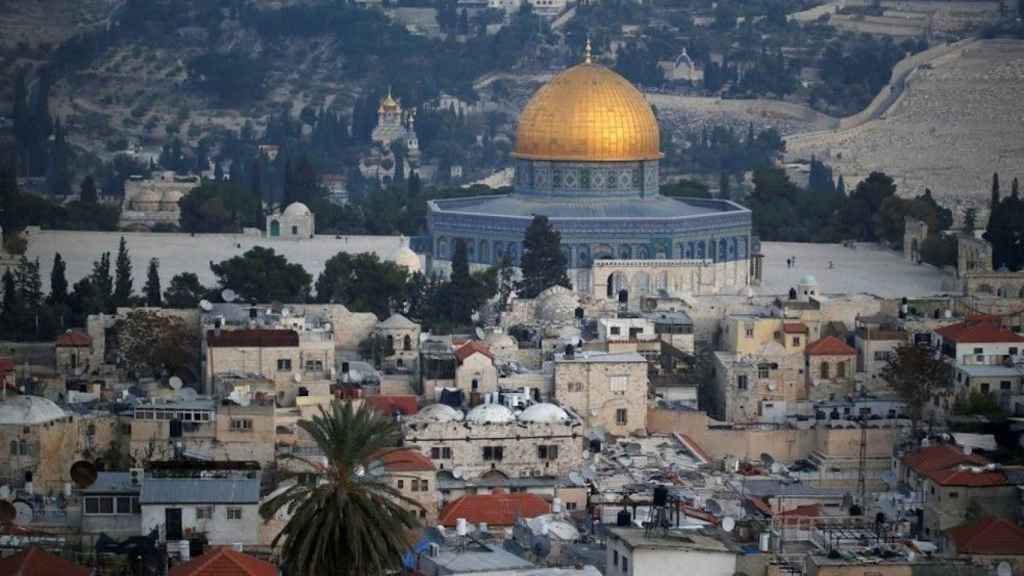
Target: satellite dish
205, 305
728, 523
285, 312
458, 473
767, 459
7, 512
175, 383
187, 394
228, 295
771, 386
83, 474
713, 506
22, 512
297, 377
1004, 569
359, 471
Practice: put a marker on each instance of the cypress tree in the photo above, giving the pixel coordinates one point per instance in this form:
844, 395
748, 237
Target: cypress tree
101, 284
152, 288
123, 275
11, 307
462, 286
543, 263
841, 185
58, 281
723, 186
88, 194
970, 220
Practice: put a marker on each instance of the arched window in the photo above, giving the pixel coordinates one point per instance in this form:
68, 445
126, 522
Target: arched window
625, 253
722, 250
841, 370
825, 369
644, 253
442, 247
295, 230
689, 250
485, 252
407, 343
275, 228
391, 342
699, 252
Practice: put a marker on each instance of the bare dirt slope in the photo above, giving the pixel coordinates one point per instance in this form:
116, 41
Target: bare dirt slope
958, 120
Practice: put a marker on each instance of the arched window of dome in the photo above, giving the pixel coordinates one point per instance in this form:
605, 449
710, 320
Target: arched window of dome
406, 342
689, 250
742, 250
470, 249
499, 251
722, 250
699, 251
583, 255
442, 247
625, 253
712, 250
391, 343
566, 255
513, 252
733, 247
644, 253
485, 252
824, 370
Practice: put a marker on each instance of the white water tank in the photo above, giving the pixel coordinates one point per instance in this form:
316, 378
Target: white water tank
556, 506
461, 527
764, 542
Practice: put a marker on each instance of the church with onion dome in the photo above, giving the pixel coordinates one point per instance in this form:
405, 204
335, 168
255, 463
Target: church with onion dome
586, 156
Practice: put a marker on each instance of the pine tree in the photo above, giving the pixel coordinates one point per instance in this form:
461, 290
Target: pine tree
724, 192
152, 288
88, 194
462, 286
123, 275
29, 284
58, 281
970, 220
543, 263
1015, 189
841, 186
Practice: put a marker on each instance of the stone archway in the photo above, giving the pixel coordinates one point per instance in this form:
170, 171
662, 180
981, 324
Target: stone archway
616, 282
641, 284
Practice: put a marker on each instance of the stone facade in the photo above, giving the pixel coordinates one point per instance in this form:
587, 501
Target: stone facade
288, 367
402, 336
830, 376
762, 388
296, 222
476, 375
609, 391
470, 453
152, 203
946, 507
215, 432
915, 232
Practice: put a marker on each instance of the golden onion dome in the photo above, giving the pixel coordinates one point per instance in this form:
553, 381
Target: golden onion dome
588, 113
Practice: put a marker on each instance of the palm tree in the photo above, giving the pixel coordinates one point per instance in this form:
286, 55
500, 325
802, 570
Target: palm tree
343, 518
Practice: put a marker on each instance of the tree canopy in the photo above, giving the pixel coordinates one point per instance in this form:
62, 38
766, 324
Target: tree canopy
363, 283
543, 264
219, 207
262, 275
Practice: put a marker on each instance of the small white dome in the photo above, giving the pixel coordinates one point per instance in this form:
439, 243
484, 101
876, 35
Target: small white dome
438, 413
490, 414
544, 413
556, 306
809, 280
406, 257
28, 410
297, 209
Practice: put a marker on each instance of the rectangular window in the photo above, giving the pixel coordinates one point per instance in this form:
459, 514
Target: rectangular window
570, 505
424, 485
741, 382
954, 495
106, 505
234, 513
494, 453
204, 513
415, 485
764, 371
575, 386
401, 484
1013, 350
284, 364
978, 351
547, 452
1004, 385
881, 356
621, 417
984, 387
314, 365
92, 505
625, 564
796, 340
615, 330
615, 558
241, 424
618, 384
124, 505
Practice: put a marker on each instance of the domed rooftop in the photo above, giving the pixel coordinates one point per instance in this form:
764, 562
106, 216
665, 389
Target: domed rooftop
809, 279
557, 306
297, 209
544, 413
29, 410
406, 257
500, 340
588, 113
438, 413
149, 196
173, 196
490, 414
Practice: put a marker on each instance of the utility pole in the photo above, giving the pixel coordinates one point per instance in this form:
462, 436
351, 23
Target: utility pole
862, 464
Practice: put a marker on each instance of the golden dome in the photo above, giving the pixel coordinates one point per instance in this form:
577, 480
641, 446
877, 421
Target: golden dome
588, 113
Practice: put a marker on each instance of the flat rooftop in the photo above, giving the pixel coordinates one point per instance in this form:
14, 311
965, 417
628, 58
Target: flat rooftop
672, 540
864, 269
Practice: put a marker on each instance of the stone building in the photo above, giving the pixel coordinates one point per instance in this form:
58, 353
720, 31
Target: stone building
504, 347
987, 542
415, 476
295, 222
587, 157
149, 204
492, 441
224, 509
202, 429
831, 369
73, 351
915, 232
876, 340
475, 374
976, 273
402, 338
608, 390
762, 387
290, 360
39, 442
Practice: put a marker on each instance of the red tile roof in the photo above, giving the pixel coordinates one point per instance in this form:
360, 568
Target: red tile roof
224, 562
692, 445
973, 477
940, 457
978, 330
794, 328
6, 365
993, 536
830, 346
74, 339
500, 509
252, 338
388, 404
36, 562
805, 511
408, 460
472, 347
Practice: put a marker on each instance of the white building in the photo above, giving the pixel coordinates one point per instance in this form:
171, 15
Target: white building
633, 551
296, 222
979, 341
625, 329
226, 510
